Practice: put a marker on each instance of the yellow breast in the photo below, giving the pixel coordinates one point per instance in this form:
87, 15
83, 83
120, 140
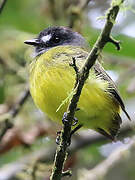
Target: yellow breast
52, 81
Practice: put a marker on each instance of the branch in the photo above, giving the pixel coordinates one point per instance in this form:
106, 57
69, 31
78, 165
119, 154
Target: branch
53, 10
75, 12
7, 119
116, 159
2, 5
104, 38
84, 4
16, 109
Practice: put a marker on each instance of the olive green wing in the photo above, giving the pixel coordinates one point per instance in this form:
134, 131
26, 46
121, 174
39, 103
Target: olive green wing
99, 70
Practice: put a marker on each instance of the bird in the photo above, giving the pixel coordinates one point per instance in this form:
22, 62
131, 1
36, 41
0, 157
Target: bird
52, 80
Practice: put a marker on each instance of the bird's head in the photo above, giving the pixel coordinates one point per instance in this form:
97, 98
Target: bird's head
56, 36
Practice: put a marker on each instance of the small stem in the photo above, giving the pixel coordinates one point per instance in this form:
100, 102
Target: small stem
35, 168
115, 42
7, 123
16, 108
2, 5
73, 64
66, 173
76, 129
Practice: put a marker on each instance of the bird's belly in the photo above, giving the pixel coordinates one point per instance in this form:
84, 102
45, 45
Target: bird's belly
50, 89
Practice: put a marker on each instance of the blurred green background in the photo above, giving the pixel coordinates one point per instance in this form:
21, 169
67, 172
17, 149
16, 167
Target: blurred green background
32, 132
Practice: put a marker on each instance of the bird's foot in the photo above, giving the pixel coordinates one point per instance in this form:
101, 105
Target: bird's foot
75, 121
58, 137
64, 119
72, 132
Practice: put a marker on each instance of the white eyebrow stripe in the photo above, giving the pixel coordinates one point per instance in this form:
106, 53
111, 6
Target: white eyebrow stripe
46, 38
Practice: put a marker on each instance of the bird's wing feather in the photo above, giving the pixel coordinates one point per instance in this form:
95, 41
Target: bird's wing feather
113, 89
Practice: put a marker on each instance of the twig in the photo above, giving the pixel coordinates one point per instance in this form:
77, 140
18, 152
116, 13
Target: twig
73, 64
17, 107
34, 170
67, 173
74, 15
119, 156
53, 10
2, 5
76, 11
7, 123
85, 4
104, 38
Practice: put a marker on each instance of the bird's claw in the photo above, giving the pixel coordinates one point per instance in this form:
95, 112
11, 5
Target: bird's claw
75, 121
58, 137
64, 119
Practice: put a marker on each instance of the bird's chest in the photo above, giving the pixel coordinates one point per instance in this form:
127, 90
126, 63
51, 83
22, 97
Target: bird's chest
49, 87
51, 90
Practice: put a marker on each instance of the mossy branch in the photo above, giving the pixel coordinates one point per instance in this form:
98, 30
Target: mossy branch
82, 75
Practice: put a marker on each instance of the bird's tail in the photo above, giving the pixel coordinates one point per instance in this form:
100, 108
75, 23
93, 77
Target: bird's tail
113, 129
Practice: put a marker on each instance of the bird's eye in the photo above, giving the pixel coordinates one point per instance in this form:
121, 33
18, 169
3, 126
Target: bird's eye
56, 39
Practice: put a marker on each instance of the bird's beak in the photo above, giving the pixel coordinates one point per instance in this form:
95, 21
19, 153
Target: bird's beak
34, 42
